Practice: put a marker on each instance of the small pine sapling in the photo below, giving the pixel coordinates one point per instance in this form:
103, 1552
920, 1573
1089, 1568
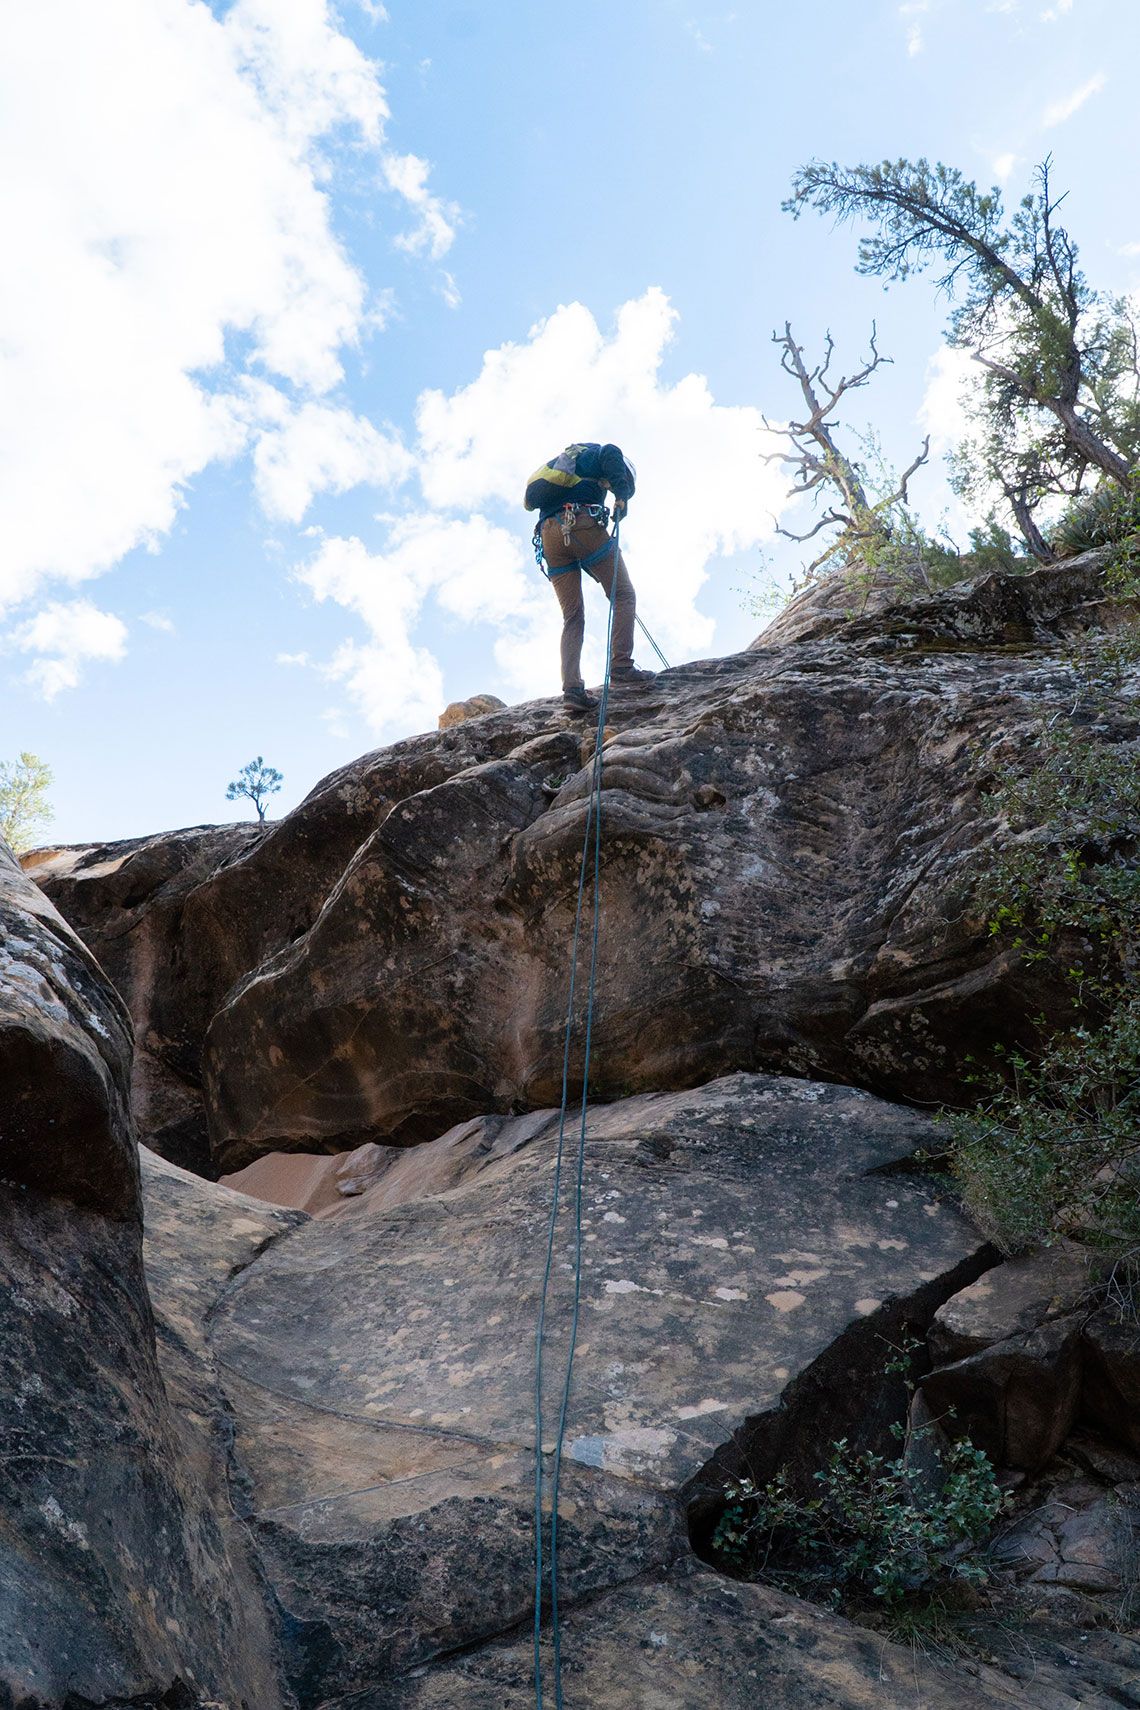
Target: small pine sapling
257, 781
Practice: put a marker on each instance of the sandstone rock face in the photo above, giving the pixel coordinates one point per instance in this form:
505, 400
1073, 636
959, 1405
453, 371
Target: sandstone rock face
1021, 1354
743, 1259
1018, 1399
1112, 1376
65, 1042
689, 1640
787, 842
128, 901
1063, 597
116, 1583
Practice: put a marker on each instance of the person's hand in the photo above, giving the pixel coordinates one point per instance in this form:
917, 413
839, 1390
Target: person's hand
620, 508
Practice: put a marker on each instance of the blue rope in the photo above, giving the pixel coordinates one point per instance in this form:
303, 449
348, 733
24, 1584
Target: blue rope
594, 824
652, 643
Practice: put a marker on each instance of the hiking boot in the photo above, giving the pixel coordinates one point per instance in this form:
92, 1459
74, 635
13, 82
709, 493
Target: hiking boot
578, 700
630, 674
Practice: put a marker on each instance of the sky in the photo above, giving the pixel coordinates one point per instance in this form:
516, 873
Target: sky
295, 297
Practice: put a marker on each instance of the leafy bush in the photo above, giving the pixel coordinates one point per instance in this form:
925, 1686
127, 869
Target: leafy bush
1054, 1146
871, 1531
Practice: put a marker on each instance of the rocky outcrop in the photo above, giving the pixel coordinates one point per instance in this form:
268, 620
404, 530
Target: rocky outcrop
65, 1044
788, 842
116, 1579
1008, 1355
128, 901
689, 1640
302, 1469
1066, 599
1026, 1351
743, 1256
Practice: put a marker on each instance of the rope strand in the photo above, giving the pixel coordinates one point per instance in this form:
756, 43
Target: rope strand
594, 824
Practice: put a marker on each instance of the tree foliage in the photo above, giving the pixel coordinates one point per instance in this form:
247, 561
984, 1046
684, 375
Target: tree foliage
1054, 1147
1058, 404
24, 807
257, 781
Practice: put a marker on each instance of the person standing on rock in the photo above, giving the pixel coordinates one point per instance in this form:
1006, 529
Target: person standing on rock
571, 535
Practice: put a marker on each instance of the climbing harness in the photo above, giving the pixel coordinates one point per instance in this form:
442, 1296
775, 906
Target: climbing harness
567, 517
567, 521
594, 829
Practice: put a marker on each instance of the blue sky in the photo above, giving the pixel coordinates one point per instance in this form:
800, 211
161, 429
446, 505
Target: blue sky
295, 298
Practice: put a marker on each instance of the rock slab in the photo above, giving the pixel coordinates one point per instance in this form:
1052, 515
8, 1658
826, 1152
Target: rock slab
743, 1259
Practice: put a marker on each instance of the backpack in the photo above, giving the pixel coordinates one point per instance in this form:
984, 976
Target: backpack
553, 485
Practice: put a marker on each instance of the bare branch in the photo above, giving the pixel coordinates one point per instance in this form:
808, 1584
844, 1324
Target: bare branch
823, 522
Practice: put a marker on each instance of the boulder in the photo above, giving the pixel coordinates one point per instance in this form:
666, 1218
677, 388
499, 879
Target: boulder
1111, 1397
475, 707
1011, 1299
745, 1263
178, 919
788, 842
116, 1580
1017, 1399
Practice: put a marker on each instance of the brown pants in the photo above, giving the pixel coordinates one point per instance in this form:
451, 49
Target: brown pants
586, 537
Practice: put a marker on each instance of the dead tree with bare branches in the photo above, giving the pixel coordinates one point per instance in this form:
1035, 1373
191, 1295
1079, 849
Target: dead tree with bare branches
1057, 407
866, 524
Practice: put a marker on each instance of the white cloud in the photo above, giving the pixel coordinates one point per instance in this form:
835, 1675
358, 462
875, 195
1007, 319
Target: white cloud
318, 449
1003, 165
703, 491
1053, 13
63, 637
1129, 249
292, 659
168, 229
950, 377
1058, 111
912, 13
156, 620
390, 679
435, 231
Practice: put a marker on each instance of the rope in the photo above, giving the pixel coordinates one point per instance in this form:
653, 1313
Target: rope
652, 643
594, 825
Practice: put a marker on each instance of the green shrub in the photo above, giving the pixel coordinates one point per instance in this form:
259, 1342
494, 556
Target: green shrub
871, 1531
1054, 1145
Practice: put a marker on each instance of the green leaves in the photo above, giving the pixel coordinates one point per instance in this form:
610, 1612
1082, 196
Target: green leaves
1055, 1147
869, 1532
24, 806
257, 781
1058, 389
